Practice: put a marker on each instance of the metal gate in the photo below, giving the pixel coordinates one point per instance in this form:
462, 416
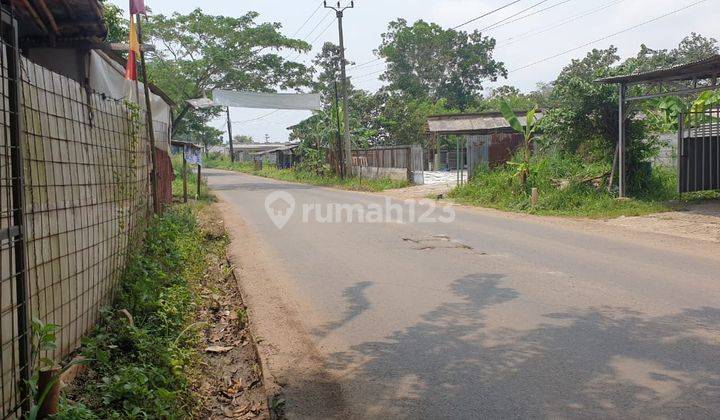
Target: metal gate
14, 332
699, 151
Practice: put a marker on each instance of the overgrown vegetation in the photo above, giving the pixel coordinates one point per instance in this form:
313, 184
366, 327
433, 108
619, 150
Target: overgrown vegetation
569, 186
305, 176
192, 180
141, 365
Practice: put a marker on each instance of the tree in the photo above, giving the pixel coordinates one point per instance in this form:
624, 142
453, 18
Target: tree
327, 64
584, 114
199, 132
513, 97
426, 61
243, 139
198, 53
695, 47
116, 23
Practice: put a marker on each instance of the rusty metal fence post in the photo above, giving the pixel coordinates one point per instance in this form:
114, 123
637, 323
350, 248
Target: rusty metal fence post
15, 343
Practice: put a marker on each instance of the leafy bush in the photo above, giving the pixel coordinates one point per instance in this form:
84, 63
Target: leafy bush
567, 186
141, 369
177, 185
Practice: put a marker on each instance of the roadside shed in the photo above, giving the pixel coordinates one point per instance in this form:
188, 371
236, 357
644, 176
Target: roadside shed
284, 156
485, 138
699, 131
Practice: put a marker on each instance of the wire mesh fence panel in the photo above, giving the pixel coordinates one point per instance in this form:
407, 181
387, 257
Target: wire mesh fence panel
14, 355
86, 171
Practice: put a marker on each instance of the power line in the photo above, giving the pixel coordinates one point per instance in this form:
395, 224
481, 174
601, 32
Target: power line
369, 66
608, 36
261, 117
307, 20
365, 76
475, 19
322, 33
309, 34
516, 38
504, 22
505, 6
513, 15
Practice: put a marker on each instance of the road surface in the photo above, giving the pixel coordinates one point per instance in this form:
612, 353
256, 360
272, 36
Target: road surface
490, 316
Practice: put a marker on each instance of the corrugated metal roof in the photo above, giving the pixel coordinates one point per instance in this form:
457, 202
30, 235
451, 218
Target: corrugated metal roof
702, 69
50, 21
485, 123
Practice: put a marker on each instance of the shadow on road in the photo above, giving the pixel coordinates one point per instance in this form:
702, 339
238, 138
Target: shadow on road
357, 304
604, 362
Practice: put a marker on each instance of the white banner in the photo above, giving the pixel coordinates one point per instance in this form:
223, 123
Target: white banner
302, 101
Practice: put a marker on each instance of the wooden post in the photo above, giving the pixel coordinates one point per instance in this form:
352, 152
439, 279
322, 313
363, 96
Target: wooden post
230, 136
199, 180
184, 175
622, 165
49, 383
534, 197
149, 122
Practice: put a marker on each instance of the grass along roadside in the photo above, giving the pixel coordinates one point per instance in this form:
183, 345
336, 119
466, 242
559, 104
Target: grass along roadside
177, 184
567, 187
294, 175
156, 351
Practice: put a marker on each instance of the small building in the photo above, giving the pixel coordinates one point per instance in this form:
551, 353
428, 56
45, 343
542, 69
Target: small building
284, 157
247, 152
485, 139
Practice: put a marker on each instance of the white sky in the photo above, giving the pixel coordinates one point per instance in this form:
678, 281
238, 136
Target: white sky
365, 24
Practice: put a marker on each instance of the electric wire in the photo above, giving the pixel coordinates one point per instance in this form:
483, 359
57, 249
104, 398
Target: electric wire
614, 34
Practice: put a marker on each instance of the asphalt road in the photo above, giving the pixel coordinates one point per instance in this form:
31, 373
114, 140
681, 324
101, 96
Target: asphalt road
485, 317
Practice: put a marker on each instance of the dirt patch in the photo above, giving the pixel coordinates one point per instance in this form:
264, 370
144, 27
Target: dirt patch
435, 242
231, 382
434, 191
695, 221
294, 372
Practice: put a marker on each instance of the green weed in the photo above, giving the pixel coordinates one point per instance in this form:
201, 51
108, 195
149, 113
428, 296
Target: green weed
565, 190
142, 369
306, 177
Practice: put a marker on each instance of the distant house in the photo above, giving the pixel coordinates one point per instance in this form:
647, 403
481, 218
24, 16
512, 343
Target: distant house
248, 152
488, 140
285, 156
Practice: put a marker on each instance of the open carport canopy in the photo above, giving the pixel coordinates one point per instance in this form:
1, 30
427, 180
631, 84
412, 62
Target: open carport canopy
682, 80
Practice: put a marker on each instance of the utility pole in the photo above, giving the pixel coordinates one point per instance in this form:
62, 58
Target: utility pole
229, 123
343, 79
341, 165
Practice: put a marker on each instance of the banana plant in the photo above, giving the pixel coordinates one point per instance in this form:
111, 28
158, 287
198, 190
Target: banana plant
528, 132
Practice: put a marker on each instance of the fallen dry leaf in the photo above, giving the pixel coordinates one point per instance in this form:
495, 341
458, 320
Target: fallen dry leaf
218, 349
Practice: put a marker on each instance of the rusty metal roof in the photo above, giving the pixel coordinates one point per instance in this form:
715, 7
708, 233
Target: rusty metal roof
484, 123
49, 22
703, 69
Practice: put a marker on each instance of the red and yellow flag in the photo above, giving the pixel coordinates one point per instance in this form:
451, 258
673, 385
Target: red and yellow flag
137, 7
134, 53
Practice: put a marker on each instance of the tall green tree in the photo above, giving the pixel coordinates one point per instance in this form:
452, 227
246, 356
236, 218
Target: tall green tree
117, 24
327, 68
583, 118
243, 139
198, 52
426, 61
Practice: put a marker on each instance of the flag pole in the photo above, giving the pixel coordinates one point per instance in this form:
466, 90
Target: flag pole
149, 122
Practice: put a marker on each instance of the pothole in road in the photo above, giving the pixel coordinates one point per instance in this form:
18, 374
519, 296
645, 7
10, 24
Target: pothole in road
436, 242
